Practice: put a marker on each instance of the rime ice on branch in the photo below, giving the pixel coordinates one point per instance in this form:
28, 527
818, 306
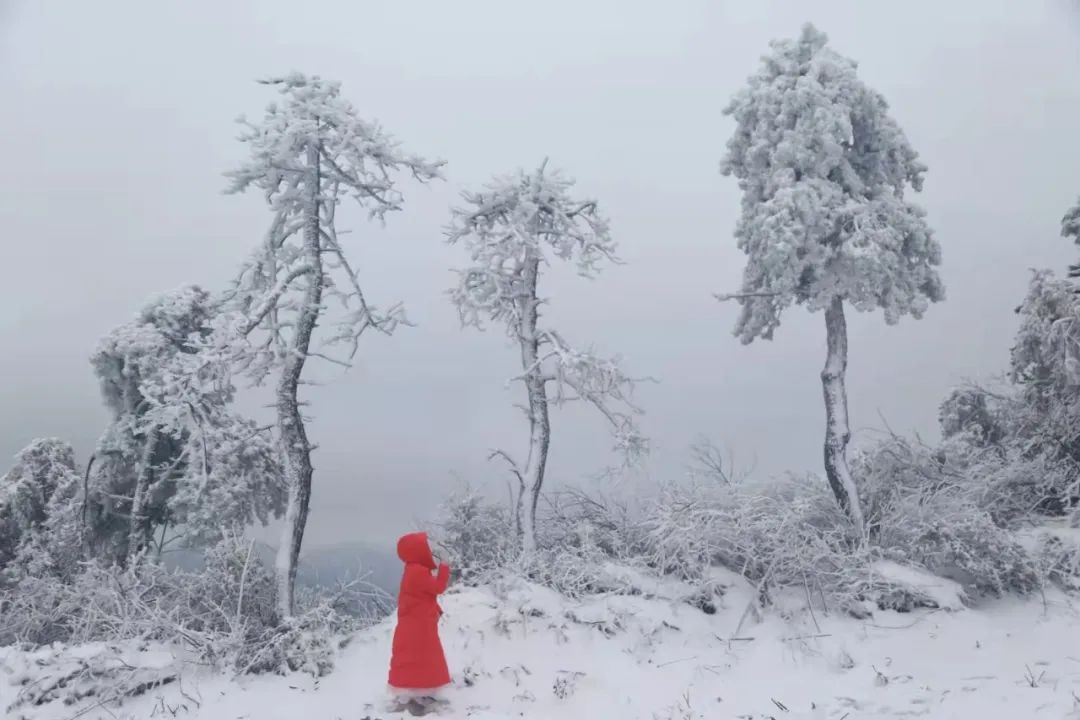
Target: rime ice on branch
308, 154
823, 169
511, 230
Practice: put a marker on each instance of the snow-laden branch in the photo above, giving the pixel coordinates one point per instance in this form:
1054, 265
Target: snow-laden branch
270, 300
601, 382
360, 316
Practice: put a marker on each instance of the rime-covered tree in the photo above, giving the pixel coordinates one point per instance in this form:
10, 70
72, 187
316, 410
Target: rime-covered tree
1021, 436
825, 223
1045, 366
1070, 228
308, 154
976, 415
1045, 358
42, 479
175, 462
511, 230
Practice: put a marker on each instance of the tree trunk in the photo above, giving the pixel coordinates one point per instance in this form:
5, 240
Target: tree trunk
539, 421
295, 448
837, 430
136, 528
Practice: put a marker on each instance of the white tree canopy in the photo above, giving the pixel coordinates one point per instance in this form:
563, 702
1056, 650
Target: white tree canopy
514, 218
350, 157
1070, 228
1070, 223
823, 169
527, 219
1045, 358
170, 391
41, 470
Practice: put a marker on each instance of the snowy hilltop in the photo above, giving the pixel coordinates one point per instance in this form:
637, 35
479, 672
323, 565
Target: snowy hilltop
521, 651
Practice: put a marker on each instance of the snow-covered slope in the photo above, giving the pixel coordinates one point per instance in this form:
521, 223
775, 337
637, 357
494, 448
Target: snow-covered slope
526, 652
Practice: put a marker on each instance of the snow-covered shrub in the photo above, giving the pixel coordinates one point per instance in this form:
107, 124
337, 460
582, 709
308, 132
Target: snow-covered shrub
976, 413
951, 536
922, 509
574, 518
1016, 487
1058, 556
1007, 447
587, 544
476, 536
1038, 408
770, 532
223, 615
788, 532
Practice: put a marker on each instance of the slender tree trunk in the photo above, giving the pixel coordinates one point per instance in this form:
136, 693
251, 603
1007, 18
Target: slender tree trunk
837, 430
516, 504
295, 448
539, 421
136, 527
84, 530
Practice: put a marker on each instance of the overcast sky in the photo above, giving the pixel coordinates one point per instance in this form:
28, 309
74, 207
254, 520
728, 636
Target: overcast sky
118, 122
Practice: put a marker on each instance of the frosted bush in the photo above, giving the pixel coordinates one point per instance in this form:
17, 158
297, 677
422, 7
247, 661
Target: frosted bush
951, 536
581, 538
1059, 560
924, 510
224, 615
788, 532
475, 536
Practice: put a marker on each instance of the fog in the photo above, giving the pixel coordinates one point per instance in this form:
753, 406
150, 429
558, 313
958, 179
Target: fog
118, 123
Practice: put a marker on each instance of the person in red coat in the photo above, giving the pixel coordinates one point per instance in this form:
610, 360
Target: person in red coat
417, 664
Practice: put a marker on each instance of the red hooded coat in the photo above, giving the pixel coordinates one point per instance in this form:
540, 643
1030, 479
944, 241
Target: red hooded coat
418, 662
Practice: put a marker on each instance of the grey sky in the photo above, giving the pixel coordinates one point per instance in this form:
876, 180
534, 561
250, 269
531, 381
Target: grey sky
118, 122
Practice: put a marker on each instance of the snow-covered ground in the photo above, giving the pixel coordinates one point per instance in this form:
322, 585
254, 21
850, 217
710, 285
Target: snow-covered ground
525, 652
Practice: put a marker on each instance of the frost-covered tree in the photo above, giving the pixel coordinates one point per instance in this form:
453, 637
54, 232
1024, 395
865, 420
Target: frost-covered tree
1045, 366
176, 462
1018, 439
1070, 228
308, 154
976, 414
42, 478
824, 169
511, 230
1046, 355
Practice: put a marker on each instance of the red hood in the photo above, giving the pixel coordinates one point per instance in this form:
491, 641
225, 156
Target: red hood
414, 549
